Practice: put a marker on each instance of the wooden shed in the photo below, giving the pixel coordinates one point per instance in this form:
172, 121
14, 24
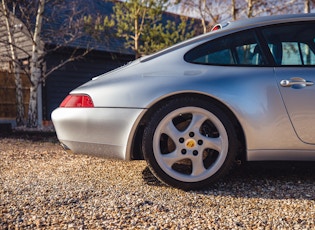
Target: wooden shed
8, 107
7, 96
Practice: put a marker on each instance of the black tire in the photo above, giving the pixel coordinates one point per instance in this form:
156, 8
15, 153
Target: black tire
189, 143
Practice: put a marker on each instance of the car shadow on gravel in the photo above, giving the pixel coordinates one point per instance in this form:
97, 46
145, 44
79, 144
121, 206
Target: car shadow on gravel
35, 136
268, 180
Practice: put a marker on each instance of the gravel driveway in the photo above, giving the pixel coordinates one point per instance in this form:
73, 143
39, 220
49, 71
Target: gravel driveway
41, 186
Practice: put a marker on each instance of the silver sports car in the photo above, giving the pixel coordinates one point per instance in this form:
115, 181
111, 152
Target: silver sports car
243, 92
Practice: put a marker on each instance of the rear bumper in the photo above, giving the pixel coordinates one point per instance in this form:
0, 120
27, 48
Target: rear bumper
102, 132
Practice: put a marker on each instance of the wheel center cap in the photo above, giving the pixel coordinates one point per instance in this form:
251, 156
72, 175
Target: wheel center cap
190, 143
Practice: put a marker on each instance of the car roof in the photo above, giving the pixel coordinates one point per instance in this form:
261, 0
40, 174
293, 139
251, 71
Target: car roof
270, 20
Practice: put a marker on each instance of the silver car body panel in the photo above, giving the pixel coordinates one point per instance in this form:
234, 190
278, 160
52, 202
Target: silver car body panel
253, 94
299, 100
100, 132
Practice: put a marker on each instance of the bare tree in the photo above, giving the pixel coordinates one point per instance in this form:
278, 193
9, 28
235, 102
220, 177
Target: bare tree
233, 10
308, 5
36, 65
271, 7
209, 12
46, 34
9, 23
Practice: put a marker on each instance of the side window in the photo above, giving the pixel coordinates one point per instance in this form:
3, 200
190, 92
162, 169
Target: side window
236, 49
292, 45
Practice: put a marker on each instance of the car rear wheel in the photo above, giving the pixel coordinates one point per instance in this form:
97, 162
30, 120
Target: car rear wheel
189, 143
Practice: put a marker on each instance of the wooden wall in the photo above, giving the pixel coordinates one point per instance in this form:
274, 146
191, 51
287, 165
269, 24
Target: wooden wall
7, 95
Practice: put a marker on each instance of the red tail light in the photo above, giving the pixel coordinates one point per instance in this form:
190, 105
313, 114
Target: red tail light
77, 100
216, 27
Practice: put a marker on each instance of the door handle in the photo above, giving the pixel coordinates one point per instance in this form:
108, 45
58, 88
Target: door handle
296, 82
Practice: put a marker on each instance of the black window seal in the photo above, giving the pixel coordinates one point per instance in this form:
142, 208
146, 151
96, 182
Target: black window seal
263, 45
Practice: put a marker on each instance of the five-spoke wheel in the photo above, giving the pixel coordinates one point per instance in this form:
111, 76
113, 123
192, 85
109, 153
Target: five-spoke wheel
189, 143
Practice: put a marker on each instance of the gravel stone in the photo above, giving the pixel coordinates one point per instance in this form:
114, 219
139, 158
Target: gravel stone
43, 187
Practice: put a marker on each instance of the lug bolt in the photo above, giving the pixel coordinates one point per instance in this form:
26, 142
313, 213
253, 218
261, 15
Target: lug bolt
191, 134
195, 152
200, 142
184, 151
181, 140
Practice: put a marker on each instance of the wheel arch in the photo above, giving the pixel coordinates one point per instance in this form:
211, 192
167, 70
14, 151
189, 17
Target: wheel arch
135, 148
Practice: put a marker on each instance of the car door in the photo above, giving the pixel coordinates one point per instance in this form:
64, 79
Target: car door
293, 50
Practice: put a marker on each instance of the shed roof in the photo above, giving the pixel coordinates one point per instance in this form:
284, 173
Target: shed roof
91, 7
